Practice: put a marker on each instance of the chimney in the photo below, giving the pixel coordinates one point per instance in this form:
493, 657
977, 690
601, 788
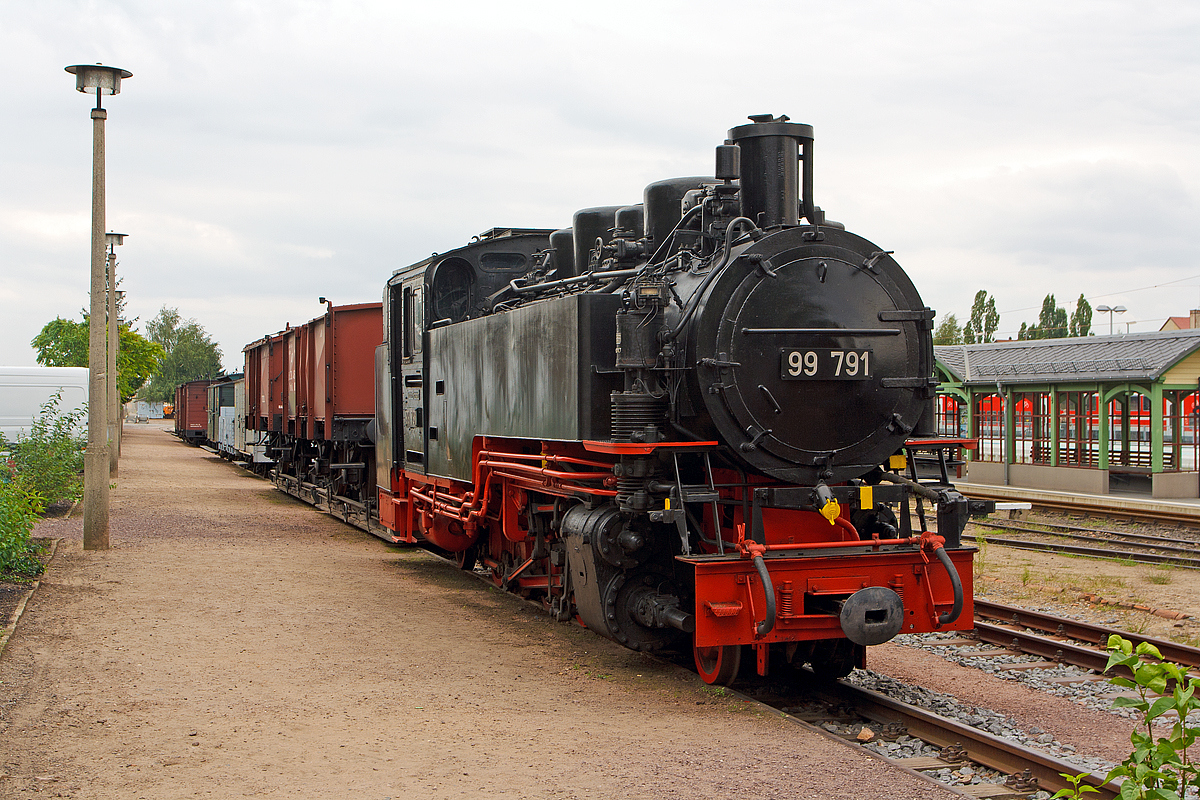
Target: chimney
1194, 318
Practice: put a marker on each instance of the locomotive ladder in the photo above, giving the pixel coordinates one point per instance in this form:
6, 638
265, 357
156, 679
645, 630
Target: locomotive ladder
695, 493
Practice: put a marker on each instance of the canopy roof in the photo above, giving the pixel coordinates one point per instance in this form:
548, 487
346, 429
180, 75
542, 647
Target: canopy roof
1126, 357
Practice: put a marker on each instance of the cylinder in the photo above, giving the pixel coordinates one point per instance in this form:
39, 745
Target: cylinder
630, 221
728, 163
770, 170
590, 224
661, 206
562, 242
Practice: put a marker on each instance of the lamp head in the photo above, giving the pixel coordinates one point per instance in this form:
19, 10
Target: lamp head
114, 239
97, 78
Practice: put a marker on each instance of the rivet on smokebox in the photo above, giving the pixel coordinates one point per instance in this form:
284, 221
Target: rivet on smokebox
865, 735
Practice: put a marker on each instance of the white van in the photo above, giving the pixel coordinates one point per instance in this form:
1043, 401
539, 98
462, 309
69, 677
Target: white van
23, 390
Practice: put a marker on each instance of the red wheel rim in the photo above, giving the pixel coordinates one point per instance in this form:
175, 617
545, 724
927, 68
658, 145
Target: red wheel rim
718, 665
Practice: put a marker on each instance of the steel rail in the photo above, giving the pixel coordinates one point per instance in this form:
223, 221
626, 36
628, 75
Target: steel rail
1138, 537
992, 751
1095, 552
1045, 647
1148, 542
1082, 631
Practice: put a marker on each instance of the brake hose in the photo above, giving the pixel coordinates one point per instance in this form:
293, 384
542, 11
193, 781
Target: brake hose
955, 581
768, 624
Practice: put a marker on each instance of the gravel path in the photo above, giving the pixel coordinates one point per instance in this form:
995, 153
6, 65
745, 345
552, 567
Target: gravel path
236, 643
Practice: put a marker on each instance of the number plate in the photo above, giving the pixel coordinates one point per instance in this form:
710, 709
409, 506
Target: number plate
824, 364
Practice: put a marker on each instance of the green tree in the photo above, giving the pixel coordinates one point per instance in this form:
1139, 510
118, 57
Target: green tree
190, 354
981, 327
1081, 318
948, 331
64, 343
1052, 322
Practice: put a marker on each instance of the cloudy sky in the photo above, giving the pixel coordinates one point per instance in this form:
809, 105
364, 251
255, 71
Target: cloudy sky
266, 153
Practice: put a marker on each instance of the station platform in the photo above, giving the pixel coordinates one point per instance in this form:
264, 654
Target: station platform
1187, 510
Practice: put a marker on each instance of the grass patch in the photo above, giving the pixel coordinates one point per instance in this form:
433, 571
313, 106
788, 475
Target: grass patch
1098, 582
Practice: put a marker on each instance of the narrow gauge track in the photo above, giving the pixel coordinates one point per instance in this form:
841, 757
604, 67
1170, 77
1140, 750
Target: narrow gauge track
1017, 634
1081, 631
1183, 544
1028, 769
1150, 549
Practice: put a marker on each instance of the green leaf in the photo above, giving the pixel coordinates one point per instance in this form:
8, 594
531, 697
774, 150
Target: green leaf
1160, 706
1118, 657
1147, 649
1129, 790
1161, 794
1158, 684
1117, 642
1130, 702
1119, 681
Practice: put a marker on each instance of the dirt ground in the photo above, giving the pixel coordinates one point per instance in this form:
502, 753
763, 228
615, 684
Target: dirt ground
235, 643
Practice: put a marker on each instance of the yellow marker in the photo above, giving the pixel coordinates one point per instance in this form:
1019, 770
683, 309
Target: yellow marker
831, 511
866, 497
668, 504
897, 461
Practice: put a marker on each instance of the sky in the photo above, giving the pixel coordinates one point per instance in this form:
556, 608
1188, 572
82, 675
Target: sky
268, 153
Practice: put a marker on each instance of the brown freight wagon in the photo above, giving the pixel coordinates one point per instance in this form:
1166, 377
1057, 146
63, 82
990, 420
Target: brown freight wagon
191, 411
311, 387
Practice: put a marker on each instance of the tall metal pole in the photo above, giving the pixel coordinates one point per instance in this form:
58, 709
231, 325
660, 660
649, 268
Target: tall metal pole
95, 460
114, 396
103, 80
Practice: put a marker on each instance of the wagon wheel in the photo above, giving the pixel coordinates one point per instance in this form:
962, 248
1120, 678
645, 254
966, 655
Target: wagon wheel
718, 665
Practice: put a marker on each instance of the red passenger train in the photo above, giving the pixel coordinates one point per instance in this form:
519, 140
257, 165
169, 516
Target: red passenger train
681, 422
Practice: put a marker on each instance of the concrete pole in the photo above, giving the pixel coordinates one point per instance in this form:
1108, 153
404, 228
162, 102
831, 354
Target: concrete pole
95, 461
114, 396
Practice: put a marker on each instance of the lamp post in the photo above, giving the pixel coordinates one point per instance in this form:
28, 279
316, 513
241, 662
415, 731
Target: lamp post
1110, 310
114, 392
100, 80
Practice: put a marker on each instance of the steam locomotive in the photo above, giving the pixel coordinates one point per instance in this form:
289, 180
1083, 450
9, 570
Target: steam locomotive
681, 422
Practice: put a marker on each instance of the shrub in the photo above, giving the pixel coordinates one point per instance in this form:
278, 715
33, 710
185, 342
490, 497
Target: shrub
49, 459
19, 509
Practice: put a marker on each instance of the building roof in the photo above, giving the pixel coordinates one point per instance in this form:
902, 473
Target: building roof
1125, 357
1176, 323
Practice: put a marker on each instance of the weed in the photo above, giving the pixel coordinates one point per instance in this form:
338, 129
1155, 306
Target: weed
1162, 768
1159, 578
1105, 582
981, 556
1026, 576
